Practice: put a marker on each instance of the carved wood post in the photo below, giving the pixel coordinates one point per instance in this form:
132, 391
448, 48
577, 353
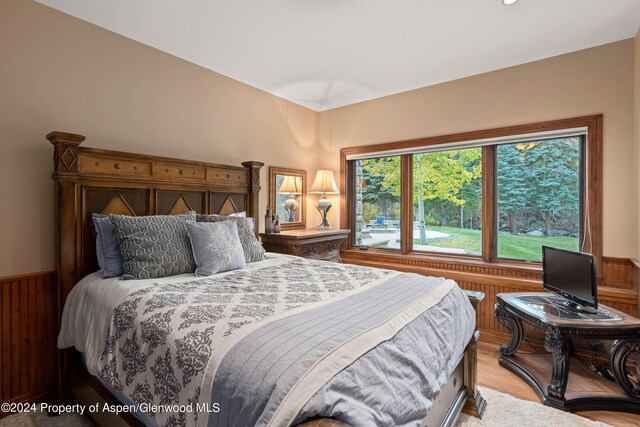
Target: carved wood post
65, 166
65, 175
559, 346
254, 187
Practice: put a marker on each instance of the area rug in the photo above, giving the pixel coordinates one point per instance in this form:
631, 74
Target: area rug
505, 410
502, 410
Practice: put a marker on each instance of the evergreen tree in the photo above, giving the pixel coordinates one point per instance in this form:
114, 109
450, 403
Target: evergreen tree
512, 184
554, 168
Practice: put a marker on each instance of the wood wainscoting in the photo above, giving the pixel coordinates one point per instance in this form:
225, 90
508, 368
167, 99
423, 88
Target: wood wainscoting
28, 334
616, 289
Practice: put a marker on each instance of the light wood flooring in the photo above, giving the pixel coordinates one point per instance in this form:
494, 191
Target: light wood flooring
494, 376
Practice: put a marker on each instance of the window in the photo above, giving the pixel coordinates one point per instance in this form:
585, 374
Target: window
493, 195
377, 202
539, 197
447, 209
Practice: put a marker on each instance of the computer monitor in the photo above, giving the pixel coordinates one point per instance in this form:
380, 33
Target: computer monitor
571, 275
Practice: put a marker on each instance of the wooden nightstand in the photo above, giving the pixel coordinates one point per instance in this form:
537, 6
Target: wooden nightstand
311, 243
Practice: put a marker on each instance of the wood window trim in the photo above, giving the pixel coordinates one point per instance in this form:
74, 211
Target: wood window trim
593, 185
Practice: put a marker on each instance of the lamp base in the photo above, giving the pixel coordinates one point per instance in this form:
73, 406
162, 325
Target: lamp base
323, 206
324, 227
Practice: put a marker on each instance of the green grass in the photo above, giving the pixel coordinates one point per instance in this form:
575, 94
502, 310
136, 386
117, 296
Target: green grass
509, 246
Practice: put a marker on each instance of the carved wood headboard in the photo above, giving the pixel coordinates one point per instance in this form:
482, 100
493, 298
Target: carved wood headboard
89, 180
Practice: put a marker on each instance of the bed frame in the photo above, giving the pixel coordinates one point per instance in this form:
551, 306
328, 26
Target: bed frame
89, 180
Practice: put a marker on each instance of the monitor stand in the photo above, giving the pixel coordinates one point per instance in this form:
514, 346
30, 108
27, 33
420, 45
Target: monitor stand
570, 305
561, 380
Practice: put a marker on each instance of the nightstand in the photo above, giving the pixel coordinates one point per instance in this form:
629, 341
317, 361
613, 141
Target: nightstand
310, 243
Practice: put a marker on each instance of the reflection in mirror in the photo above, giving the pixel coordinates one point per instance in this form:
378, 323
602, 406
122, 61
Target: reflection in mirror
288, 197
287, 193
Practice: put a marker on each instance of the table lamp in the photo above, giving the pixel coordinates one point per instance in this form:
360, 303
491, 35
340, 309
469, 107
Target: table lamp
325, 184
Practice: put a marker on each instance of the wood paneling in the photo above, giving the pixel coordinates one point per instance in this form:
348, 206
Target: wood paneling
618, 273
28, 334
615, 290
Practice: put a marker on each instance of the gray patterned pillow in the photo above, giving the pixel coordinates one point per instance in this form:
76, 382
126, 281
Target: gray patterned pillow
154, 246
253, 250
216, 247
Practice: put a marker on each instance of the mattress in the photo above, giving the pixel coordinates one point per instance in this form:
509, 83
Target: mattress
273, 344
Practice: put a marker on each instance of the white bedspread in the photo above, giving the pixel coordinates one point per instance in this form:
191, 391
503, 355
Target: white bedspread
161, 341
89, 308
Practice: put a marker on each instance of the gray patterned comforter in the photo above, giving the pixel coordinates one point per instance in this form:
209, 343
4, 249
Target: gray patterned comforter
164, 341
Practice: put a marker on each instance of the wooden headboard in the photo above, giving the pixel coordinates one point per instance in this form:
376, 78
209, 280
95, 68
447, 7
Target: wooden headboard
89, 180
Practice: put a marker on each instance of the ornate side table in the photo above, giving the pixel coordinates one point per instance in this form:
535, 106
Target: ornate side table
561, 380
315, 244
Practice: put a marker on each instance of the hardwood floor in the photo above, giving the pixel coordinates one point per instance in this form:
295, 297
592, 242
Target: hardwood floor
494, 376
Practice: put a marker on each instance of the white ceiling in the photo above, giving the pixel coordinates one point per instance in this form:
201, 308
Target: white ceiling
329, 53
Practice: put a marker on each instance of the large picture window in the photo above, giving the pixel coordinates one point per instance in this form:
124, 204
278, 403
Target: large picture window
494, 196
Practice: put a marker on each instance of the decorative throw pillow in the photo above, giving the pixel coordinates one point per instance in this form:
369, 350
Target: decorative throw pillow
107, 247
216, 247
253, 250
154, 246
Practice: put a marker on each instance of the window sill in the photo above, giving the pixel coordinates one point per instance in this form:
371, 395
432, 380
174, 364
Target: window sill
462, 260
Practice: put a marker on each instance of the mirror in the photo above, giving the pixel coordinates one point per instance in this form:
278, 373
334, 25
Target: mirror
287, 196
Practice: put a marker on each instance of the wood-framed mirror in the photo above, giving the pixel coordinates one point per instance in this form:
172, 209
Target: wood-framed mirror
288, 195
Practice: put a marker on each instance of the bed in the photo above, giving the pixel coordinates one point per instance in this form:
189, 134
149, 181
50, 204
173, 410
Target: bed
286, 341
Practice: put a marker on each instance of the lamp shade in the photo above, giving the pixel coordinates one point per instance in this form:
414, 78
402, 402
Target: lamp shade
291, 185
324, 183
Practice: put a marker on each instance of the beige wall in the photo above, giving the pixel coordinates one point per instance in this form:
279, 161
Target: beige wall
592, 81
60, 73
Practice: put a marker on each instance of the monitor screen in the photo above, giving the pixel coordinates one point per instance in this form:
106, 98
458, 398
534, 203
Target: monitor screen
571, 275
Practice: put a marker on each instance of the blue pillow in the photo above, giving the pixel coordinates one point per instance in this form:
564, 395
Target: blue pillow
216, 247
107, 247
154, 246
